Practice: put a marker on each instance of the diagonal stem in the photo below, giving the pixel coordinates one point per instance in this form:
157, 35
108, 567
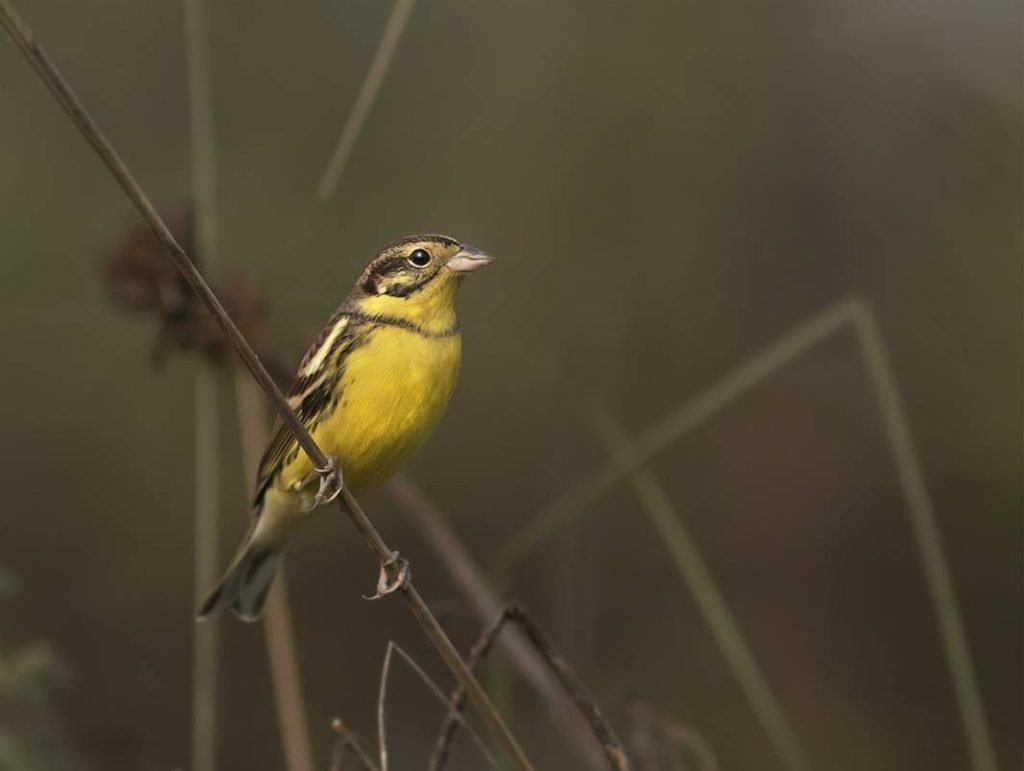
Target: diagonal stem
479, 594
938, 576
389, 41
614, 753
442, 698
693, 412
457, 702
712, 604
23, 38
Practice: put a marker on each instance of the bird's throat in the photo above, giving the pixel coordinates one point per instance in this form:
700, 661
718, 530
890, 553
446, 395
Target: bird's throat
431, 308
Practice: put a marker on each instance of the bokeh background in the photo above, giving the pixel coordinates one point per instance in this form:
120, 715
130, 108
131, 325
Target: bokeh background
669, 188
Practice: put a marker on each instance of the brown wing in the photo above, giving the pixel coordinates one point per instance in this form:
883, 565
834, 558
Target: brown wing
312, 394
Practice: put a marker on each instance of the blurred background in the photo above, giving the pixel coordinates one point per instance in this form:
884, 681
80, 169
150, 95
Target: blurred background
670, 189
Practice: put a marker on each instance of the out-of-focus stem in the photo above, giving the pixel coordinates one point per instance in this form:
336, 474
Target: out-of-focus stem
202, 169
277, 619
207, 504
368, 91
725, 629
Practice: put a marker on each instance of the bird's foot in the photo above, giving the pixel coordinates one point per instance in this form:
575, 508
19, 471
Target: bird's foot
394, 575
331, 482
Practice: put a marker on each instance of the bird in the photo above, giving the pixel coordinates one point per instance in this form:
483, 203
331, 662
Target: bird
370, 390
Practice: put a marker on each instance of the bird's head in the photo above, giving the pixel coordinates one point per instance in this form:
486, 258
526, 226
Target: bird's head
415, 278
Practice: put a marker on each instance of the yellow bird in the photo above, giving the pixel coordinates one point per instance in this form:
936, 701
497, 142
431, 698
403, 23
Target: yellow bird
370, 391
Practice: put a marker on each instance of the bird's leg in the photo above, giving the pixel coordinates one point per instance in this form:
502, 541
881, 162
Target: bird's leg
394, 575
331, 482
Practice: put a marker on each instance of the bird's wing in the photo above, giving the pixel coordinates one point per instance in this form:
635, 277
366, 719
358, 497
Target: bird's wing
311, 394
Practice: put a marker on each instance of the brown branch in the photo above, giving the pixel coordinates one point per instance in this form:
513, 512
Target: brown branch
23, 38
458, 699
347, 741
478, 594
434, 689
574, 687
610, 744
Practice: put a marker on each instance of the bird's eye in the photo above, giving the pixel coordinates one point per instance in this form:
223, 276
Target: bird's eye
420, 258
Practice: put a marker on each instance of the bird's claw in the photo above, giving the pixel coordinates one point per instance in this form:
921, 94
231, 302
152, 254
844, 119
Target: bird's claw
331, 483
394, 576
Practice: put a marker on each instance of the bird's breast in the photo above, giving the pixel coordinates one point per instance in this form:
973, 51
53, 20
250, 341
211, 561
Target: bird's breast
394, 390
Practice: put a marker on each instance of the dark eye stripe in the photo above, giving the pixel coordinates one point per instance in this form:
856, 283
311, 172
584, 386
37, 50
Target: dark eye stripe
393, 265
380, 270
397, 275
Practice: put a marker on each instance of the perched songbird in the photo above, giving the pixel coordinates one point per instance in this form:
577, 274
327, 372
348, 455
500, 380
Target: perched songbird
370, 390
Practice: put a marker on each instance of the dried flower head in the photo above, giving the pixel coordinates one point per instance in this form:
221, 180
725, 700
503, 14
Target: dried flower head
139, 279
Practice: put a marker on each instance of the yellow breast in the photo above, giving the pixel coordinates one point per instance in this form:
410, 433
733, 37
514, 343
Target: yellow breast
393, 392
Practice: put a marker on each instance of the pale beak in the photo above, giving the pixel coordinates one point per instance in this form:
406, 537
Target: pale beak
468, 259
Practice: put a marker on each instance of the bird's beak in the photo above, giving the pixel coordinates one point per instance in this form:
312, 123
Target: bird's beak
468, 259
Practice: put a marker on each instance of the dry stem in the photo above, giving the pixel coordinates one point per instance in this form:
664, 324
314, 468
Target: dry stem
471, 582
457, 703
610, 744
385, 676
23, 38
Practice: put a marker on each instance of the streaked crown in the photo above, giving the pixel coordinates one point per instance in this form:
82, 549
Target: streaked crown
403, 267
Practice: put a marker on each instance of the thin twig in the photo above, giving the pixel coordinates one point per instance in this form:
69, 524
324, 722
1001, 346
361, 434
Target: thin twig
438, 694
208, 388
610, 743
348, 740
613, 750
23, 38
368, 91
476, 590
382, 739
457, 703
277, 620
385, 675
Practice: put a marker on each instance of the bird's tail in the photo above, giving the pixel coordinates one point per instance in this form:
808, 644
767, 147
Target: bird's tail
245, 585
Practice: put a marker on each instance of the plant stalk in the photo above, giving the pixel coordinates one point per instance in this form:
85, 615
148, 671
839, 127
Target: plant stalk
202, 170
23, 38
